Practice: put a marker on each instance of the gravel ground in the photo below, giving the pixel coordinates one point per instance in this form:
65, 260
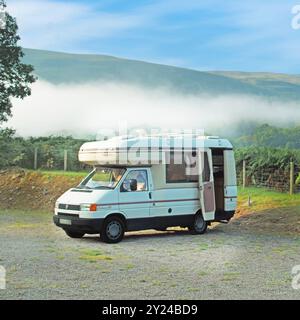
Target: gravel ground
228, 262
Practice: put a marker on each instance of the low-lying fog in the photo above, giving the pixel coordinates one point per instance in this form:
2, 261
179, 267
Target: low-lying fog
90, 108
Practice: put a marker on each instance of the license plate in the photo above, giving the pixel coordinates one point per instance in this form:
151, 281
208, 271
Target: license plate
65, 221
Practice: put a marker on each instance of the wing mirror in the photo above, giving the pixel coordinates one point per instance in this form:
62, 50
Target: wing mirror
129, 185
133, 184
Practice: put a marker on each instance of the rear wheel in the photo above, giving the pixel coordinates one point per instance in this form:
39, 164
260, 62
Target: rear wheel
199, 225
113, 230
74, 234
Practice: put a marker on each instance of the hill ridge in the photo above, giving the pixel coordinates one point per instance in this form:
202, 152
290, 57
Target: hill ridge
62, 67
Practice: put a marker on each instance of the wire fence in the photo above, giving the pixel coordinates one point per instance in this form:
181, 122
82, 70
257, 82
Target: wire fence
286, 179
62, 159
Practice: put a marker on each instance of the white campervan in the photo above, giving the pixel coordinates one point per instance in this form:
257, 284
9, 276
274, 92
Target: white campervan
150, 183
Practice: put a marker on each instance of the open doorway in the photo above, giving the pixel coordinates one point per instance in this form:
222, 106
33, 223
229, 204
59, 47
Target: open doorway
218, 170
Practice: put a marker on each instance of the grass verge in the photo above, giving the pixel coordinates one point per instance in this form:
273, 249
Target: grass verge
262, 199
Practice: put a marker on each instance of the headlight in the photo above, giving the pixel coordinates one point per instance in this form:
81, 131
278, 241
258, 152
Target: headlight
84, 207
88, 207
56, 205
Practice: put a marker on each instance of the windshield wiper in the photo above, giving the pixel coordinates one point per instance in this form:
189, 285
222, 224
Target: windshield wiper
103, 187
83, 187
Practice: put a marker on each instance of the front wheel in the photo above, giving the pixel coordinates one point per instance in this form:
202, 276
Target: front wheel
113, 230
199, 225
74, 234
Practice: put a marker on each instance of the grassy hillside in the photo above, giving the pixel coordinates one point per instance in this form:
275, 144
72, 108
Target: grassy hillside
77, 68
287, 85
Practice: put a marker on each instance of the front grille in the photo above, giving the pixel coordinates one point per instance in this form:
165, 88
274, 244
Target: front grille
67, 215
73, 207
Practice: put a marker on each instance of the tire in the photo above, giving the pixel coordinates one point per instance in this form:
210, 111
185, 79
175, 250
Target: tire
199, 225
113, 230
74, 234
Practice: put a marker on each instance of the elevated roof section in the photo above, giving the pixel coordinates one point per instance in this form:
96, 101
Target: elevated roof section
162, 142
145, 149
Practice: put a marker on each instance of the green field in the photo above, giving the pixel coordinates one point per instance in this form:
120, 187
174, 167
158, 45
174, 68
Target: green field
261, 199
57, 173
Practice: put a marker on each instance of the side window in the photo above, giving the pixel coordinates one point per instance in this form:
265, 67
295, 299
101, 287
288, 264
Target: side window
206, 169
181, 167
140, 176
191, 167
175, 168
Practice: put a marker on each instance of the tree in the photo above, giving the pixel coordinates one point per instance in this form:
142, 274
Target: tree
15, 76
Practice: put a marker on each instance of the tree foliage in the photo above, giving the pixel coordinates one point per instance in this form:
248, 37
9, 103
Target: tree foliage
270, 136
263, 158
17, 151
15, 76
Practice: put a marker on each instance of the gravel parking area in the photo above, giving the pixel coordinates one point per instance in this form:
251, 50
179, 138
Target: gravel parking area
234, 261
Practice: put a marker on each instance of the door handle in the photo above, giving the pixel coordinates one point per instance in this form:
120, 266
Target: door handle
150, 195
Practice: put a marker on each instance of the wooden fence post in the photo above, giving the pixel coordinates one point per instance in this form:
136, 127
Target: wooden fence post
66, 160
35, 161
292, 173
244, 174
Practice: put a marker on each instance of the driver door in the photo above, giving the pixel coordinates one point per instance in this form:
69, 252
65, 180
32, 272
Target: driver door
135, 204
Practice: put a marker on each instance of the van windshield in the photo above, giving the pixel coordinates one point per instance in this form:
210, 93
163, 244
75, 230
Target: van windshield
102, 178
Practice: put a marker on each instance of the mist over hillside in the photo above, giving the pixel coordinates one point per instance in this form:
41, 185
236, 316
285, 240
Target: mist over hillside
58, 68
84, 94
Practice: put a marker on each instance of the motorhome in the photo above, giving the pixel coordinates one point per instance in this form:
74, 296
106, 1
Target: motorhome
153, 182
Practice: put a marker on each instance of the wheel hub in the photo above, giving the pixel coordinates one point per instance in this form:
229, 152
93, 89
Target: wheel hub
199, 223
113, 230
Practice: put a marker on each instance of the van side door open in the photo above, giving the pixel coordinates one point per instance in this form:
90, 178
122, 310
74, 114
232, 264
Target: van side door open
206, 185
230, 187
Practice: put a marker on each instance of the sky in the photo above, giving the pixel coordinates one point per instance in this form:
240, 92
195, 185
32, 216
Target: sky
248, 35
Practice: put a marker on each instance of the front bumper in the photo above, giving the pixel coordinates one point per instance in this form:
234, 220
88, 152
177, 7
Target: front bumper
91, 226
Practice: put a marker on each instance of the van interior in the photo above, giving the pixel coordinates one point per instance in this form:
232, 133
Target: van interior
218, 167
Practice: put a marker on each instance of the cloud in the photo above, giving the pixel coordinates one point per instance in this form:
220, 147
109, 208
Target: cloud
61, 25
256, 31
90, 108
232, 35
